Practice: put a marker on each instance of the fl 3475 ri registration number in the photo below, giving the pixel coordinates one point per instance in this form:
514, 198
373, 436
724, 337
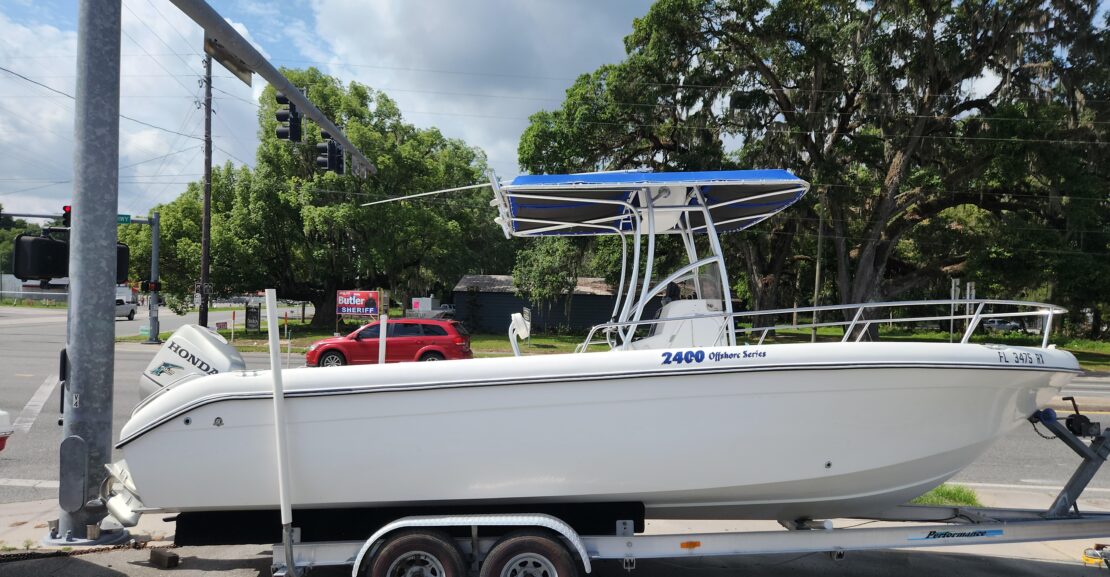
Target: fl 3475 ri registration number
1020, 358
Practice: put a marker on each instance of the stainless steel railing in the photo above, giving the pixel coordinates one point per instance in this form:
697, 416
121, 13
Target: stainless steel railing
862, 317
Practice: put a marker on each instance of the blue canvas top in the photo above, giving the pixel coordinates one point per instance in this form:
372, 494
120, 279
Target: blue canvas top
604, 203
700, 177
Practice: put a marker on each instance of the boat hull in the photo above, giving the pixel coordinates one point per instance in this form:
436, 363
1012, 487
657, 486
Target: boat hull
771, 432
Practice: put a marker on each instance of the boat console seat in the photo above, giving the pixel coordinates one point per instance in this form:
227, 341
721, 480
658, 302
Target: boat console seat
708, 331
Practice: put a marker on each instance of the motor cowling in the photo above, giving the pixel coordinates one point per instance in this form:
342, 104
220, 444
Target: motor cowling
191, 351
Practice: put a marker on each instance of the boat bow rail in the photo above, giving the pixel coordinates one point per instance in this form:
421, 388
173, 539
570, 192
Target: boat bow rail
963, 319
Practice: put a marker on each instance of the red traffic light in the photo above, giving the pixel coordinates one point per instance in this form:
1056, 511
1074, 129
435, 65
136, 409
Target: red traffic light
67, 214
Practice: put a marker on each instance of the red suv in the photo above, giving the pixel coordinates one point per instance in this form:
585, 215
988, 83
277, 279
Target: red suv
408, 340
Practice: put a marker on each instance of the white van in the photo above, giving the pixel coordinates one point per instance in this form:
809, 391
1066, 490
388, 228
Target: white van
126, 302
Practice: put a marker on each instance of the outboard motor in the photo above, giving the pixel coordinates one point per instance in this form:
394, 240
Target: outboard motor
191, 351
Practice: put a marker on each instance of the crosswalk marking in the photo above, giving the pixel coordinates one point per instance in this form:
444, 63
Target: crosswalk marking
33, 407
32, 483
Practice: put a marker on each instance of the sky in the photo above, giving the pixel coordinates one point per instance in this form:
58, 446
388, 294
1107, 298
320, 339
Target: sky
475, 70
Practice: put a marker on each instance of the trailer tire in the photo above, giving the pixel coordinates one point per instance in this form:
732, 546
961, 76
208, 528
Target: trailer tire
417, 552
529, 553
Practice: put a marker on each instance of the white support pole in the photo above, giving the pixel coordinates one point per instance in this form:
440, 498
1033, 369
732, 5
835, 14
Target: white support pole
279, 429
383, 324
953, 295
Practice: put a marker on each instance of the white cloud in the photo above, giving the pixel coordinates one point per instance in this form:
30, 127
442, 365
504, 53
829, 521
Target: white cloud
161, 64
475, 70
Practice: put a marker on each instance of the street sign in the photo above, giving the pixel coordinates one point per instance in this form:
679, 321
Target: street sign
356, 303
254, 317
123, 219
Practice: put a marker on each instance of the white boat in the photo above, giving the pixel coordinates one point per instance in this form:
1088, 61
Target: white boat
680, 415
6, 429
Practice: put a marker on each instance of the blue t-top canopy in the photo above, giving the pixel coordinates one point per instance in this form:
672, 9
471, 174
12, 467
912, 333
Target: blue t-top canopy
609, 202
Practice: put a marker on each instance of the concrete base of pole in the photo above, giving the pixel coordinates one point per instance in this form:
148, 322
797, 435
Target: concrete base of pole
106, 538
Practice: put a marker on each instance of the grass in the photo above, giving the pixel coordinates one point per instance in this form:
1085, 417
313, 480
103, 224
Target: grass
498, 345
950, 495
39, 304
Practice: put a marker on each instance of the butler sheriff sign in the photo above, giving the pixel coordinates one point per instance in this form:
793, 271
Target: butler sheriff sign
356, 303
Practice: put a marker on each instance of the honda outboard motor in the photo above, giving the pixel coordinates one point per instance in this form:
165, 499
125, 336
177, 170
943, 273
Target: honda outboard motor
191, 351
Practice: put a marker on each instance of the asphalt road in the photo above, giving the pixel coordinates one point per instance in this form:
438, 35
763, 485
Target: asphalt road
31, 338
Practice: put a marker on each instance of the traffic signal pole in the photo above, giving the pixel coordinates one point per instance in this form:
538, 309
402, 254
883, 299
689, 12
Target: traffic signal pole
87, 398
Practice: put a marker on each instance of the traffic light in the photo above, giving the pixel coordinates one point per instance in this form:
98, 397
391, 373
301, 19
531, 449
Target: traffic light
329, 156
150, 286
67, 215
40, 257
45, 258
290, 119
123, 262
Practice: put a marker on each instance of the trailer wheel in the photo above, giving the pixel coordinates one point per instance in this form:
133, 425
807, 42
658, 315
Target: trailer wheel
417, 553
529, 554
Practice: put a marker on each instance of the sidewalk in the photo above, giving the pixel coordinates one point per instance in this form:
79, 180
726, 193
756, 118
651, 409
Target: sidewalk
25, 523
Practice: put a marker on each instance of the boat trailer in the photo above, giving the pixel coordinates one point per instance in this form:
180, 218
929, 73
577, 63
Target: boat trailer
539, 543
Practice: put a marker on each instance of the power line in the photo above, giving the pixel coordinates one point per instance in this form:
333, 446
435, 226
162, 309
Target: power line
830, 114
184, 123
5, 193
929, 243
677, 86
167, 184
230, 133
176, 31
150, 191
155, 60
71, 97
233, 96
128, 180
777, 131
233, 157
970, 191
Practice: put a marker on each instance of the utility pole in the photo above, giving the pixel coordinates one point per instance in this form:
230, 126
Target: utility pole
87, 398
206, 218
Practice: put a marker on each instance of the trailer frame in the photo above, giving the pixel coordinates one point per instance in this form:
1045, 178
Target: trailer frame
928, 526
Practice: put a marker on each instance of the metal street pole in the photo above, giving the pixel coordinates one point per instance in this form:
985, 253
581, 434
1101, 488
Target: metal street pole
206, 218
87, 429
31, 215
155, 241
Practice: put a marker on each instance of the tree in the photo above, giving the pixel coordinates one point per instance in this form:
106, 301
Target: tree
9, 229
287, 225
879, 105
